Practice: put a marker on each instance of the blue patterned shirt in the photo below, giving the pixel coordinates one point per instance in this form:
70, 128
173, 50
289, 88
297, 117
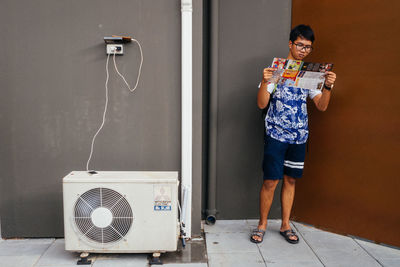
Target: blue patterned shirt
287, 119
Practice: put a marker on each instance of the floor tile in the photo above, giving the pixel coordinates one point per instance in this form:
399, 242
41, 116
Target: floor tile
305, 228
337, 250
247, 259
229, 242
18, 261
252, 224
278, 252
25, 247
194, 252
25, 252
121, 260
390, 262
227, 226
385, 255
186, 265
56, 255
293, 263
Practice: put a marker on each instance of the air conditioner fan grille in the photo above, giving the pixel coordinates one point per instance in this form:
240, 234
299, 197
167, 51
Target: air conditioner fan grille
113, 219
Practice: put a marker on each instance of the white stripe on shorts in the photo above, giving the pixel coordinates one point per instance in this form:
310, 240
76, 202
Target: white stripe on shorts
292, 166
294, 163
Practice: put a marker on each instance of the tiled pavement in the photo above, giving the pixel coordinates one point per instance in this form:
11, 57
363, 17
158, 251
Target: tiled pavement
227, 245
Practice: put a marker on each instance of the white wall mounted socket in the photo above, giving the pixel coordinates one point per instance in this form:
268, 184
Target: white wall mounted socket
117, 49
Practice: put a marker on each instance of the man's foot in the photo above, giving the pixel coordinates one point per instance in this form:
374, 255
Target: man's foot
257, 236
290, 236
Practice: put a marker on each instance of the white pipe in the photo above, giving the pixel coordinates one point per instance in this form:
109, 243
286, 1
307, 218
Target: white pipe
184, 207
186, 164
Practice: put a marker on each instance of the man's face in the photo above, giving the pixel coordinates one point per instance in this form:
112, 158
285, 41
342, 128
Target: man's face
300, 48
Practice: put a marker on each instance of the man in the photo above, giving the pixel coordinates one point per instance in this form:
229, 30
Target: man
286, 126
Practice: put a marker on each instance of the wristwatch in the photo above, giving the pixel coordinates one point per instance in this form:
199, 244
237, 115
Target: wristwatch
327, 87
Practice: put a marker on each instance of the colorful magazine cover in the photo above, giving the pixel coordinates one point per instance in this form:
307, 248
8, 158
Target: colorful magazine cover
310, 80
317, 67
306, 75
290, 74
293, 64
276, 76
278, 63
325, 67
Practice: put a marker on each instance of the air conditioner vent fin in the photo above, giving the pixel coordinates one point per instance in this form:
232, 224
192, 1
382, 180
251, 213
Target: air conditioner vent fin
103, 215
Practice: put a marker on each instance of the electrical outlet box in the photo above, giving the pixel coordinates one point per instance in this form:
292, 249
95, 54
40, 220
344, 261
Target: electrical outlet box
117, 49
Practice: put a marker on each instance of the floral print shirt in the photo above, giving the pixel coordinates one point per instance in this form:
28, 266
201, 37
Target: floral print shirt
287, 119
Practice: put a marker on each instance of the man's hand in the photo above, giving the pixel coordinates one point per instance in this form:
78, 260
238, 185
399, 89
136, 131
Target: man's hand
267, 74
322, 100
330, 78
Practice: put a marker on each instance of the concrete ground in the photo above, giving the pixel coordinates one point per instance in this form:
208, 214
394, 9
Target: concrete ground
227, 244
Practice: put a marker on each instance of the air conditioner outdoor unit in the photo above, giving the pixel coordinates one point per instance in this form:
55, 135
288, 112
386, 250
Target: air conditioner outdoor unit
121, 212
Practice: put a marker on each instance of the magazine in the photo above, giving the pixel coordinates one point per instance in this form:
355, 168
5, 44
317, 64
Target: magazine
300, 74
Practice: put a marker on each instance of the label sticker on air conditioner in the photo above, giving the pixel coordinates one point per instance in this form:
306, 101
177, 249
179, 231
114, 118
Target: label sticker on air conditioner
162, 197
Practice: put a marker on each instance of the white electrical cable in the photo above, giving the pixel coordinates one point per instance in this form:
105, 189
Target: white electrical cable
104, 114
106, 85
140, 68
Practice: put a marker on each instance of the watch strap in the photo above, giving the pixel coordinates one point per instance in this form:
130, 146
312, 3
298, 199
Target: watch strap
327, 87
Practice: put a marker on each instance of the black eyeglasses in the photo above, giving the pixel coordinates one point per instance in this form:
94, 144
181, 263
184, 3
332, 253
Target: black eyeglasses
300, 46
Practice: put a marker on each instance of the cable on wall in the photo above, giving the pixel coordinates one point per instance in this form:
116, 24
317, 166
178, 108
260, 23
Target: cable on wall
140, 68
106, 103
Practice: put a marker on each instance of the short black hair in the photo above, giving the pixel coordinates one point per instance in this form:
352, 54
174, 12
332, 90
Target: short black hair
303, 31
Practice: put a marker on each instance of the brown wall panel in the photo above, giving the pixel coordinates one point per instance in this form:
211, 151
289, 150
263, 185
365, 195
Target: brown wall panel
351, 183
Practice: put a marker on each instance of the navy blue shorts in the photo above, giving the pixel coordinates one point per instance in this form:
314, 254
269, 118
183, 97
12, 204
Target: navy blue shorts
282, 158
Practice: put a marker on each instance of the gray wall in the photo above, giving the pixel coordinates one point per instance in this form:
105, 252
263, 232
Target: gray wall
199, 120
52, 85
251, 33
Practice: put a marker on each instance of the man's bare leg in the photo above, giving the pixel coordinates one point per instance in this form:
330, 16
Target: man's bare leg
287, 197
266, 197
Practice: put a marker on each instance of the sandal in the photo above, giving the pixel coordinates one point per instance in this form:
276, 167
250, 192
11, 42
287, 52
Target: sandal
287, 234
259, 233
